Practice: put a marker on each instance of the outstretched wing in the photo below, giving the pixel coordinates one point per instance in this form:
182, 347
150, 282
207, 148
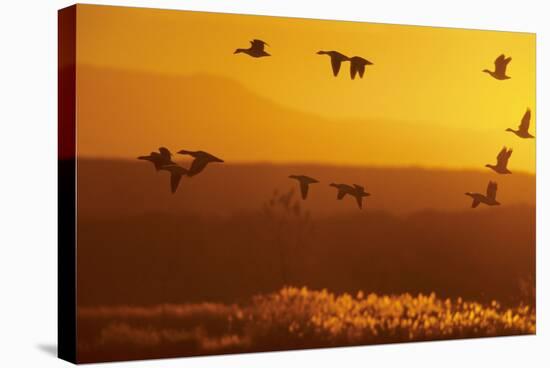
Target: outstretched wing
165, 153
304, 189
341, 193
359, 200
257, 44
175, 178
353, 69
336, 63
197, 166
359, 187
361, 70
492, 190
504, 156
500, 64
525, 121
475, 203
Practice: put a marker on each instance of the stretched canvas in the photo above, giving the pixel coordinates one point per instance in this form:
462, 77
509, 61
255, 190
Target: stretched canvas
236, 183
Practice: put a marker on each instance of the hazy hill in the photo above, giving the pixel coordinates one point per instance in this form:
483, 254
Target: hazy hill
124, 113
114, 188
169, 258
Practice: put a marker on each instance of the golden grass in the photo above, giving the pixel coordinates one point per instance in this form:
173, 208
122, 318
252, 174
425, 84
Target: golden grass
291, 318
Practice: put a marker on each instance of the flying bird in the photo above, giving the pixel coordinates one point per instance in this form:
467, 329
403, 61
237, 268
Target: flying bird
336, 60
256, 49
523, 129
343, 189
358, 66
359, 193
159, 159
356, 191
489, 199
201, 159
502, 161
305, 181
176, 172
501, 63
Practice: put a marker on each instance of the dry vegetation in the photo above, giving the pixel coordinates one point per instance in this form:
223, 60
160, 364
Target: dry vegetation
292, 318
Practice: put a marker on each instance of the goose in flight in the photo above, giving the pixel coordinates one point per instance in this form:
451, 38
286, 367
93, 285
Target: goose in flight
336, 59
502, 161
358, 66
159, 159
489, 199
305, 181
176, 172
356, 191
501, 63
523, 129
201, 159
343, 189
359, 193
256, 49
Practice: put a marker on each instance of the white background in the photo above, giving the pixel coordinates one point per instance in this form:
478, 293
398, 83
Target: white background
28, 207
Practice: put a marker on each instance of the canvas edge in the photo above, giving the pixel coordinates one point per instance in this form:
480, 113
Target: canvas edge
66, 226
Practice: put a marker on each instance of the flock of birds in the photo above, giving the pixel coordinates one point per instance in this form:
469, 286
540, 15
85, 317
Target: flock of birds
162, 160
357, 63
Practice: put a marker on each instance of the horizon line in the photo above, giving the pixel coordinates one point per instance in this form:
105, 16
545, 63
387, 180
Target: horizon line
321, 164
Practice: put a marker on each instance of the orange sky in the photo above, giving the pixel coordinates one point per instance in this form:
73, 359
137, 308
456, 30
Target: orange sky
424, 102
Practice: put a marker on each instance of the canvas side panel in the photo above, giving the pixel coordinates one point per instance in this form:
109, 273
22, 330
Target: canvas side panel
66, 251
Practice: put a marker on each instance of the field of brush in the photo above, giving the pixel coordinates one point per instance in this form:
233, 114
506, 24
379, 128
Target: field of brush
291, 318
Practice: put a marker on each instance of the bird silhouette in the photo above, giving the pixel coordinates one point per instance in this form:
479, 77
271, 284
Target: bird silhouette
201, 159
343, 189
176, 172
502, 161
356, 191
523, 129
359, 193
256, 49
159, 159
501, 63
305, 181
336, 60
489, 199
357, 65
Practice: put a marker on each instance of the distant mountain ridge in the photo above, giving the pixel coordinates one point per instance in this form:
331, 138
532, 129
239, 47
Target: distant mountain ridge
124, 113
